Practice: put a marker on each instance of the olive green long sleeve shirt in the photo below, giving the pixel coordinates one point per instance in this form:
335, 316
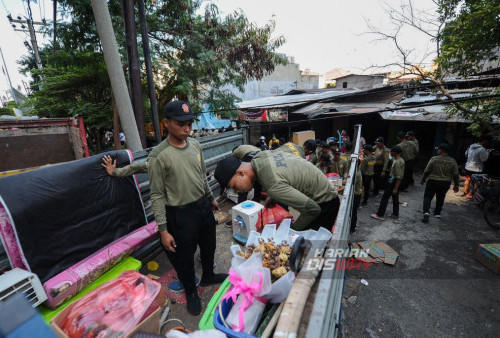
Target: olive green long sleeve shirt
441, 168
133, 168
295, 182
397, 169
367, 165
382, 155
177, 176
408, 150
340, 167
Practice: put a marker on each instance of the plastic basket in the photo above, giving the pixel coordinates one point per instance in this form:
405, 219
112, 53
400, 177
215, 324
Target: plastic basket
128, 263
207, 320
225, 307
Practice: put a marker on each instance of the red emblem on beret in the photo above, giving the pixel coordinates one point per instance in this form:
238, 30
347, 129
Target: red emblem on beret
185, 107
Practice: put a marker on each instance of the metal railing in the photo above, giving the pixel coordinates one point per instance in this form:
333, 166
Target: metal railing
325, 316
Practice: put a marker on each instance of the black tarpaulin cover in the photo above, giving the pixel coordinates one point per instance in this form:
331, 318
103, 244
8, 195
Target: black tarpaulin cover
63, 213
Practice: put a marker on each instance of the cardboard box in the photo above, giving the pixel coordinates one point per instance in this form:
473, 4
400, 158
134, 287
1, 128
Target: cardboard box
380, 251
301, 136
151, 324
489, 256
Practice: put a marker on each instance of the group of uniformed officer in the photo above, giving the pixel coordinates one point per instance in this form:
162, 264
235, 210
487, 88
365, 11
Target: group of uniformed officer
293, 175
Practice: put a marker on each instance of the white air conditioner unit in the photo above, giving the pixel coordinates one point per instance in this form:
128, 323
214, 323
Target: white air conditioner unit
19, 280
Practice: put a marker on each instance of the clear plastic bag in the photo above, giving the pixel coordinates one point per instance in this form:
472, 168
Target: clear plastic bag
114, 308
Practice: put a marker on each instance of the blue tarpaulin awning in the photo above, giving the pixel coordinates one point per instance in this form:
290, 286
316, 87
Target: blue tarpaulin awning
209, 121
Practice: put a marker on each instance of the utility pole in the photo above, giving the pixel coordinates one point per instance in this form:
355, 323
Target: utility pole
34, 45
8, 78
149, 71
31, 30
114, 65
54, 16
133, 67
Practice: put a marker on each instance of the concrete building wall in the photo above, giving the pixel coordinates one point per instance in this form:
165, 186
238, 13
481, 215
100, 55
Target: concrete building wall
282, 80
308, 81
360, 82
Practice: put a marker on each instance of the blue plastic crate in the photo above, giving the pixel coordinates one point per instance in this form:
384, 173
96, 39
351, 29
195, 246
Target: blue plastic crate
226, 306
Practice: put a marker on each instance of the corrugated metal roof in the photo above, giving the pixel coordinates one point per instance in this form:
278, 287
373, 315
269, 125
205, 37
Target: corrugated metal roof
421, 116
431, 98
331, 108
437, 113
292, 100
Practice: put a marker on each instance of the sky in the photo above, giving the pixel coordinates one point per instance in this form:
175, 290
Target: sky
320, 34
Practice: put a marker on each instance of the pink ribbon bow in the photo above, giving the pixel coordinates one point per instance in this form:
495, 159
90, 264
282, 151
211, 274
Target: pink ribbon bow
240, 287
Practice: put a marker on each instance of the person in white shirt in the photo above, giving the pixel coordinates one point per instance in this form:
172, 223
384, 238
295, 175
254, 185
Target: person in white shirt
476, 156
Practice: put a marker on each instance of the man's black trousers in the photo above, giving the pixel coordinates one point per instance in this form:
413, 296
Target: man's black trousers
378, 180
191, 225
438, 188
328, 215
367, 181
388, 193
408, 175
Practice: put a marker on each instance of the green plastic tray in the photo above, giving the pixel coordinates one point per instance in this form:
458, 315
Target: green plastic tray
128, 263
207, 320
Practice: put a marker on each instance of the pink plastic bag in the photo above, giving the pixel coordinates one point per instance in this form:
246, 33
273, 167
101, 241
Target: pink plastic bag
114, 308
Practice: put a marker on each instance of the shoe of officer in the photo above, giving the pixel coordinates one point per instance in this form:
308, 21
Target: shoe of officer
426, 218
193, 302
215, 278
178, 287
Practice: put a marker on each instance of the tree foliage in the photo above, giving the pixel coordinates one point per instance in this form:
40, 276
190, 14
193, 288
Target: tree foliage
471, 35
196, 55
471, 38
76, 84
466, 34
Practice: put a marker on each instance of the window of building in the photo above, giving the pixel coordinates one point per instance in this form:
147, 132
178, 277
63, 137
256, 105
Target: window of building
344, 84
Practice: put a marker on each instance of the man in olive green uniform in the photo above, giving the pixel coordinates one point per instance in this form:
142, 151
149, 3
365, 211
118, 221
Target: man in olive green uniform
408, 154
339, 166
366, 169
347, 155
392, 187
180, 193
245, 152
286, 179
324, 164
325, 149
293, 149
440, 171
382, 154
410, 136
309, 148
318, 148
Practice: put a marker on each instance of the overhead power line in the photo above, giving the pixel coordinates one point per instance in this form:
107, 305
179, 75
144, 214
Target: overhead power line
5, 7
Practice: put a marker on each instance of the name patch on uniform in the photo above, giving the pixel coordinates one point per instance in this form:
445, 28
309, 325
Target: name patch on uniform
279, 159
